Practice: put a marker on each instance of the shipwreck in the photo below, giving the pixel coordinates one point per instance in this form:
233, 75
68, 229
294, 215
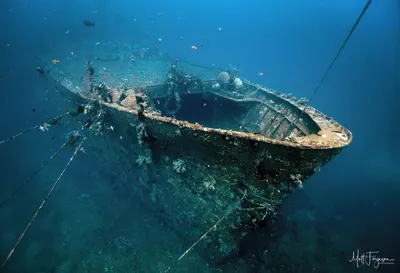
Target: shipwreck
211, 155
207, 148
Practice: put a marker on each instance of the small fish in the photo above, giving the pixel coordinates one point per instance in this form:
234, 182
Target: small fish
55, 61
193, 47
40, 69
260, 74
89, 23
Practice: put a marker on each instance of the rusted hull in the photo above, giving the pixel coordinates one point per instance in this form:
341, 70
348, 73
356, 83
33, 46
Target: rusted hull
220, 175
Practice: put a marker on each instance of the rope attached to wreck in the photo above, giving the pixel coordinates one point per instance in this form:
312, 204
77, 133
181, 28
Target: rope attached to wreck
43, 127
293, 125
213, 228
71, 140
33, 174
40, 207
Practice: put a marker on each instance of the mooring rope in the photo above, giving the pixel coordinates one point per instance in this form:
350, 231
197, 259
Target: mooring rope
396, 73
213, 228
52, 121
43, 127
293, 125
41, 206
32, 175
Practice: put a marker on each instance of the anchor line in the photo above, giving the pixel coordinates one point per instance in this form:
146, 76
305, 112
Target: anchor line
213, 228
32, 175
41, 206
44, 126
293, 125
41, 167
19, 134
396, 75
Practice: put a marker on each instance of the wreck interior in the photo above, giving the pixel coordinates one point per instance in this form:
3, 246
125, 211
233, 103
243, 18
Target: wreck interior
208, 110
249, 115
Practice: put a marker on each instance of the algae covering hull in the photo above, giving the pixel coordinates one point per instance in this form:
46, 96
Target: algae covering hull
239, 172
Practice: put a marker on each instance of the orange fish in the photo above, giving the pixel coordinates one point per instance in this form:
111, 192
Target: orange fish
193, 47
55, 61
